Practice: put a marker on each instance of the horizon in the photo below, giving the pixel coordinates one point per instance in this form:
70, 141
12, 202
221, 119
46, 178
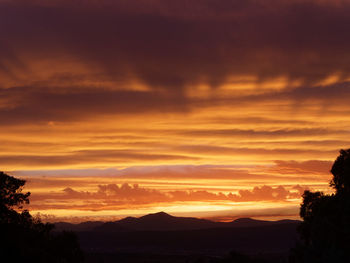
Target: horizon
219, 219
117, 108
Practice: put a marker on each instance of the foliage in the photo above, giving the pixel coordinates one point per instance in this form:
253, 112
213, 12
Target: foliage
341, 173
24, 238
11, 197
325, 230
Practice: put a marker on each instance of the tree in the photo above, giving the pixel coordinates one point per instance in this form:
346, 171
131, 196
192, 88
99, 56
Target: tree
325, 230
341, 173
11, 197
24, 238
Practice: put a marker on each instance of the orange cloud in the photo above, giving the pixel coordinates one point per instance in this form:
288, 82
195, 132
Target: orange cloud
114, 196
79, 157
268, 193
307, 167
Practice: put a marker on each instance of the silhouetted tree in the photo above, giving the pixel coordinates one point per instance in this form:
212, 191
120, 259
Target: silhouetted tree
325, 230
11, 197
341, 173
24, 238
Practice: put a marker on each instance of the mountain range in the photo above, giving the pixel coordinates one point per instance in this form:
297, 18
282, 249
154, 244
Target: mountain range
163, 222
161, 233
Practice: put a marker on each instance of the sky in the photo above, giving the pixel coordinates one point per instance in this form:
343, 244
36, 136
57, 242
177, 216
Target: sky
216, 109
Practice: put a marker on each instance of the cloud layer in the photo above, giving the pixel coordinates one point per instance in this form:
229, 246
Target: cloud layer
116, 197
195, 100
170, 46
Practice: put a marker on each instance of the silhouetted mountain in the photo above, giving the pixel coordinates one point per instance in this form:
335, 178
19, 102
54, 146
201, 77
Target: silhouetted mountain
249, 222
158, 222
163, 222
162, 234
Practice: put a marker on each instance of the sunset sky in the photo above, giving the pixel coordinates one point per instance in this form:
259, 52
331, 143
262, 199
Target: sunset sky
217, 109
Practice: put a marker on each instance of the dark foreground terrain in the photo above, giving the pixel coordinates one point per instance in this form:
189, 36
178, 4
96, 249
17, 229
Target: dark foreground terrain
163, 238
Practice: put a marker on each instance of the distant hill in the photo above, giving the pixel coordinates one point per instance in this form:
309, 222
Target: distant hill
163, 222
158, 222
161, 233
249, 222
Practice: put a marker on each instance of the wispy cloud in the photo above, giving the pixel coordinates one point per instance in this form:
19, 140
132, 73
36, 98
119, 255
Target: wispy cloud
113, 196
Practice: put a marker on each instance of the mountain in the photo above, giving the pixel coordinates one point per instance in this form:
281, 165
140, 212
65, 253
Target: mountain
163, 222
158, 222
249, 222
166, 234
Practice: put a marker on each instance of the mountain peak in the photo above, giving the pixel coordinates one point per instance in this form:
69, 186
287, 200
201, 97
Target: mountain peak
159, 215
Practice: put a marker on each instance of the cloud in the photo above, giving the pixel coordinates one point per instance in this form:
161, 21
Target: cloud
268, 193
188, 172
303, 94
302, 168
281, 170
50, 103
125, 192
263, 134
68, 60
171, 45
220, 150
110, 196
88, 156
158, 172
33, 104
